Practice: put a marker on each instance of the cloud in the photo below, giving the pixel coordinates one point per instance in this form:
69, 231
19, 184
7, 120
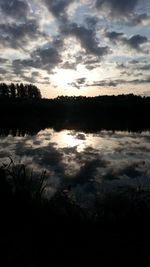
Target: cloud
3, 71
57, 7
134, 61
78, 82
145, 67
127, 73
133, 42
91, 62
48, 157
140, 19
14, 8
68, 65
45, 57
3, 60
86, 37
131, 67
81, 136
91, 22
114, 83
19, 35
114, 36
34, 77
117, 7
81, 80
92, 171
131, 170
30, 26
88, 171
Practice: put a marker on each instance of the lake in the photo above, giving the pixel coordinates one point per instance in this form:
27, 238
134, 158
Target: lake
88, 163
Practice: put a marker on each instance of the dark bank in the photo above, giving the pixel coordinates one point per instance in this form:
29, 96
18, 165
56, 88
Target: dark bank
21, 107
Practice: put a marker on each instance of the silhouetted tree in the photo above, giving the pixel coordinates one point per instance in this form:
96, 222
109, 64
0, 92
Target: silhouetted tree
12, 88
4, 90
33, 91
19, 91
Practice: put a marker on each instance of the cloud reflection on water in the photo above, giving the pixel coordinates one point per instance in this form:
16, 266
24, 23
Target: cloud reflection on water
84, 161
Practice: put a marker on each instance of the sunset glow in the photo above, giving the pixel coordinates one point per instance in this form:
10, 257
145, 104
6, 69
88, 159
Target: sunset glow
76, 47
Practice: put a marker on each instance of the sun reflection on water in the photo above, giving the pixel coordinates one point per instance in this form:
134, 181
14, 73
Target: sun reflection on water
72, 140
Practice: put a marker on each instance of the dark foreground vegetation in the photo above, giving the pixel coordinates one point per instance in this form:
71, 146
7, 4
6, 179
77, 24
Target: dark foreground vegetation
36, 231
31, 114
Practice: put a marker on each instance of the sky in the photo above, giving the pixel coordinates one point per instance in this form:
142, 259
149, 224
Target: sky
76, 47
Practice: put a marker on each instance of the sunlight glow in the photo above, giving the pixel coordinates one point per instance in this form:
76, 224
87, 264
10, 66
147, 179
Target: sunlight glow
71, 140
64, 77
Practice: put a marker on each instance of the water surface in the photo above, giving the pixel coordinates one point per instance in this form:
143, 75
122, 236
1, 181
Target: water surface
89, 163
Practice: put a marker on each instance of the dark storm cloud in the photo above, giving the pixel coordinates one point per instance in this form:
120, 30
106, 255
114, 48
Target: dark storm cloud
46, 57
57, 7
87, 38
118, 7
19, 35
14, 8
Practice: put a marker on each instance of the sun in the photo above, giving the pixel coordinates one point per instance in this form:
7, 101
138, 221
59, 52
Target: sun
64, 77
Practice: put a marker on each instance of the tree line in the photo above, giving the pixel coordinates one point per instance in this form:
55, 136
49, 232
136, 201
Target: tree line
21, 91
89, 114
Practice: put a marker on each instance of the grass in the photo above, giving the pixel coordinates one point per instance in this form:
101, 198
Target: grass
17, 181
36, 231
23, 180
